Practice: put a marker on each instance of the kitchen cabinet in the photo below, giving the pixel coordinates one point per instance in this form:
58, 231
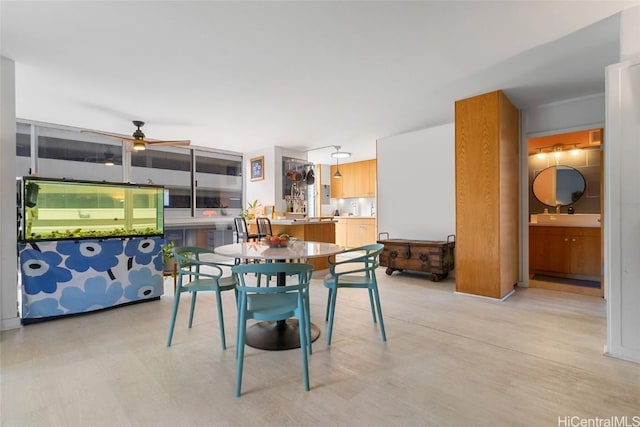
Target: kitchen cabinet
572, 252
361, 231
351, 180
353, 232
372, 179
358, 180
336, 184
341, 232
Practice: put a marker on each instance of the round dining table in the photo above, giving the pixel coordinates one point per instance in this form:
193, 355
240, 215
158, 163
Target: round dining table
283, 334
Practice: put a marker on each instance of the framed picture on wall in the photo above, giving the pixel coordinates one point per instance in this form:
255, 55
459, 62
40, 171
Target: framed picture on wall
257, 168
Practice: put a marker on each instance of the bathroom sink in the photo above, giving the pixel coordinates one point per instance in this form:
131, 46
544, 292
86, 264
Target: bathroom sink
574, 220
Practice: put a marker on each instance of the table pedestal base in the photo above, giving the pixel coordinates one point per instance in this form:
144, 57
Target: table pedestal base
282, 335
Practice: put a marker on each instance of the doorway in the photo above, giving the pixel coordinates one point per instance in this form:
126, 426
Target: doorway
565, 210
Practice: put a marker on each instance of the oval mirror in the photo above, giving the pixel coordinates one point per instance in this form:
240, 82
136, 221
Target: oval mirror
559, 185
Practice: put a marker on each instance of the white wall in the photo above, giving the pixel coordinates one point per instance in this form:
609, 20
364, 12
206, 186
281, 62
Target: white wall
416, 184
263, 190
8, 258
269, 190
630, 33
565, 116
622, 199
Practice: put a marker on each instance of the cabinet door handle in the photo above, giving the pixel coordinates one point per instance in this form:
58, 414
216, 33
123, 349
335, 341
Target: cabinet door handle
573, 240
566, 240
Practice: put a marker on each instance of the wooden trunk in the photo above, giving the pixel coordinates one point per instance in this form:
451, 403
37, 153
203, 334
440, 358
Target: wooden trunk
434, 257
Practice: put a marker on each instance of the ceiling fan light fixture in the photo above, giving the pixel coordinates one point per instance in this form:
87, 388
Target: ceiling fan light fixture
139, 146
340, 155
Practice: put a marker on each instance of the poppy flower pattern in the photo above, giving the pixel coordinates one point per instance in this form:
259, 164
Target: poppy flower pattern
98, 255
144, 284
158, 262
94, 295
68, 277
44, 308
141, 249
41, 271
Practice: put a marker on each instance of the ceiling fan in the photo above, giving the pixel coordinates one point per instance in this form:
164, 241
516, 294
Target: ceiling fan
138, 140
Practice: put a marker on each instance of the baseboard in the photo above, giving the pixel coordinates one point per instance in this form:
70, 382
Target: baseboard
485, 297
11, 323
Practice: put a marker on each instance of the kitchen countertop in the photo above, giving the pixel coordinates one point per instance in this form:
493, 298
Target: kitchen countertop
353, 217
285, 221
228, 220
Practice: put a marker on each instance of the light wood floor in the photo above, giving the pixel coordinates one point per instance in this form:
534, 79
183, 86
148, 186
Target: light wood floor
450, 360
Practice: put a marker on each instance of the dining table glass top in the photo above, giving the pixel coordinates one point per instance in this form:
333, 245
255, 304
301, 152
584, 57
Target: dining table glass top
294, 249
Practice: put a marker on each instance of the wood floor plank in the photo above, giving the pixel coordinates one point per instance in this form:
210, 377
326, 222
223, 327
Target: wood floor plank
450, 360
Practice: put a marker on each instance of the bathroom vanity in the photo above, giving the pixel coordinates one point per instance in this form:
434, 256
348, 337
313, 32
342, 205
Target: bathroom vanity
565, 248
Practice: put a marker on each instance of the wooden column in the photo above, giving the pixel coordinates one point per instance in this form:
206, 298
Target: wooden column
487, 143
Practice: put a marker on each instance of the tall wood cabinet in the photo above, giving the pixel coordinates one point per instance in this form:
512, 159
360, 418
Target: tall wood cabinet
487, 144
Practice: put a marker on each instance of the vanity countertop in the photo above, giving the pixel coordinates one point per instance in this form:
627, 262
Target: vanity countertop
565, 220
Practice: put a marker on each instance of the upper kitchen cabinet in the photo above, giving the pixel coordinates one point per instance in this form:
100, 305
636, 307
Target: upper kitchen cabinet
336, 184
486, 150
358, 180
373, 176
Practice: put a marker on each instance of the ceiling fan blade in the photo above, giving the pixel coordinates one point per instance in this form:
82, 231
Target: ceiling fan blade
110, 135
172, 143
134, 140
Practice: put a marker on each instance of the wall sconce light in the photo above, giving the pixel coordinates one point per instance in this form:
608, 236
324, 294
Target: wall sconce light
557, 150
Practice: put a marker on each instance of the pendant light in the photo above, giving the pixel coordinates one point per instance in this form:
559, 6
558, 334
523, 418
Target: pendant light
337, 156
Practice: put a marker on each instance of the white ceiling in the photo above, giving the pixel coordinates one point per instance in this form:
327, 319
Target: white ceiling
243, 76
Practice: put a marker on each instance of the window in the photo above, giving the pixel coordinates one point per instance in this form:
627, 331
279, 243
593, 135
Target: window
168, 166
218, 184
196, 181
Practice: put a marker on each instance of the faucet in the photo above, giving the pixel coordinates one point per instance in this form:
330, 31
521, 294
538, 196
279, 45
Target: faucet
558, 208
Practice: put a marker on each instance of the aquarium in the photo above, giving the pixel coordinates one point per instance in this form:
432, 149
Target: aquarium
53, 209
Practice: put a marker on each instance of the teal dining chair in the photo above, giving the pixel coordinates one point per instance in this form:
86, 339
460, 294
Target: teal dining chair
197, 275
272, 304
355, 272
